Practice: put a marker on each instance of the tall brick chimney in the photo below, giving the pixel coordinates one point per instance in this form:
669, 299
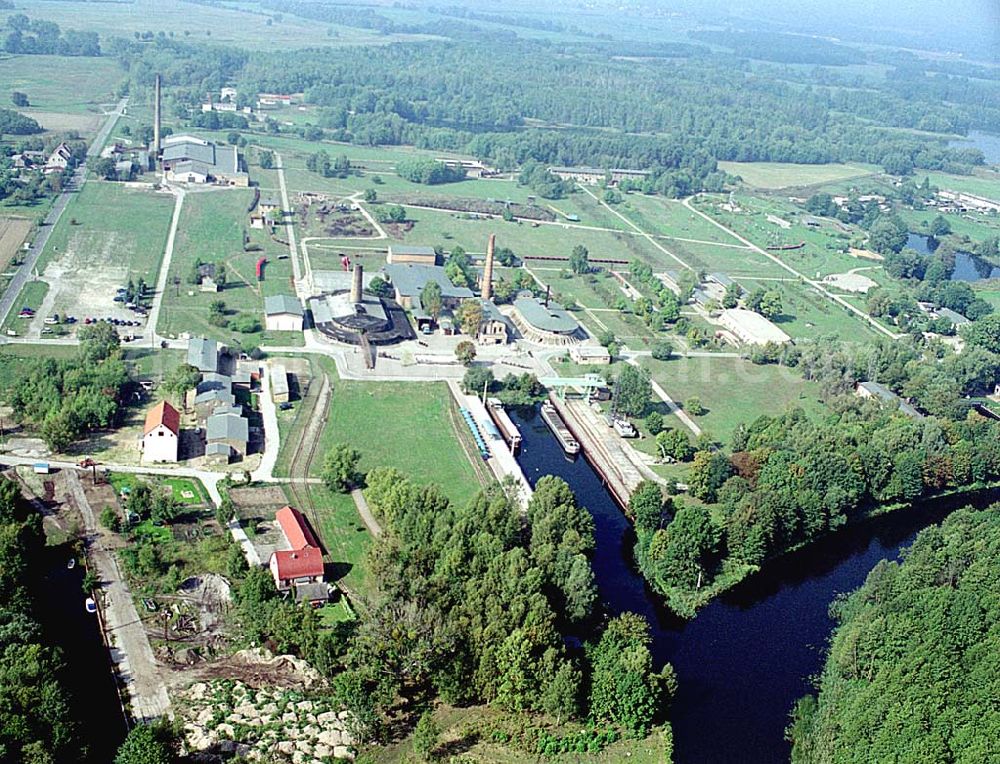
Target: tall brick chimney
488, 269
357, 284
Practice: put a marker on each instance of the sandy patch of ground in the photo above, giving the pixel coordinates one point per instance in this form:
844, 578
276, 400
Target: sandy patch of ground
866, 254
83, 280
851, 282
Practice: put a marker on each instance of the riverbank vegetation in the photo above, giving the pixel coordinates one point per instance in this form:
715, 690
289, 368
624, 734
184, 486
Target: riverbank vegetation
913, 663
36, 723
791, 478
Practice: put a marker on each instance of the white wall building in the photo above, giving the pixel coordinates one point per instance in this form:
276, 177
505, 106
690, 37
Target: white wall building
161, 435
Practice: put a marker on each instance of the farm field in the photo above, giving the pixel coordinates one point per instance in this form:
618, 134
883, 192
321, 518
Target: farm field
733, 390
13, 232
211, 229
201, 23
787, 175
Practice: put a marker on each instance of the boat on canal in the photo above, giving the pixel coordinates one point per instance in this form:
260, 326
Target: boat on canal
551, 417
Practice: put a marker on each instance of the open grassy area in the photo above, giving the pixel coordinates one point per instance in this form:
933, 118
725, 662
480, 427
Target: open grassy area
30, 296
222, 25
111, 225
61, 87
14, 358
211, 229
342, 533
983, 183
733, 390
406, 425
669, 217
788, 175
974, 225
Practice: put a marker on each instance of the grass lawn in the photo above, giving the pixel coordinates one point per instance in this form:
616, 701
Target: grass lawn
983, 183
733, 390
976, 226
146, 530
116, 227
787, 175
182, 486
15, 358
342, 533
211, 229
711, 259
337, 612
405, 425
31, 296
668, 217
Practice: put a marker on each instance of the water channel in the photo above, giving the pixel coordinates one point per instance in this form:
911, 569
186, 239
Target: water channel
745, 659
88, 679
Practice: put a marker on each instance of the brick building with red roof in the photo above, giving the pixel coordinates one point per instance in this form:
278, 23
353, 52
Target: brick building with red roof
303, 562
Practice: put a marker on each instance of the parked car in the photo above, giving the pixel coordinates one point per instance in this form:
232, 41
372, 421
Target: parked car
285, 406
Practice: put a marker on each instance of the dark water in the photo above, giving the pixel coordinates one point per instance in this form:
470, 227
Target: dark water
745, 659
968, 267
988, 143
88, 679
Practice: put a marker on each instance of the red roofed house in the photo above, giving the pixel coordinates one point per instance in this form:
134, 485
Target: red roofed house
303, 563
161, 435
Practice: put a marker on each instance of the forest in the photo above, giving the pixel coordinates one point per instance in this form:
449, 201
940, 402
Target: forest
33, 37
913, 669
531, 100
790, 479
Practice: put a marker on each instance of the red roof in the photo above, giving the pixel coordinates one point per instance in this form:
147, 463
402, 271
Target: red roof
299, 563
165, 414
295, 528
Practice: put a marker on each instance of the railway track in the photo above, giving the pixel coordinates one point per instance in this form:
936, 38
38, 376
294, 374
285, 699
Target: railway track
305, 452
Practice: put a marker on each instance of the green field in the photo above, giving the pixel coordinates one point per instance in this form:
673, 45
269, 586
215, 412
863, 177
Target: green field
342, 533
14, 359
733, 390
983, 183
788, 175
61, 84
200, 23
31, 296
211, 228
406, 425
668, 217
115, 227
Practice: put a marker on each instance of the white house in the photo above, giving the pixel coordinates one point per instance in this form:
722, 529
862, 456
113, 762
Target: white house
161, 435
283, 313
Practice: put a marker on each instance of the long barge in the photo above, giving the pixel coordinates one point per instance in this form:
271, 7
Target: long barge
551, 417
508, 430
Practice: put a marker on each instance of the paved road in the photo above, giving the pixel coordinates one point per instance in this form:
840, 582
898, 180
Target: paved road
168, 254
58, 206
366, 514
130, 651
272, 437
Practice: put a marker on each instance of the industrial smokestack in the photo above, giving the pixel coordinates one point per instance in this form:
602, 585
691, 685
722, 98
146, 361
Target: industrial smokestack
356, 284
156, 123
488, 270
548, 293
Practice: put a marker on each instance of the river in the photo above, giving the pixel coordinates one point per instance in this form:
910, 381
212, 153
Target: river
745, 659
988, 143
88, 679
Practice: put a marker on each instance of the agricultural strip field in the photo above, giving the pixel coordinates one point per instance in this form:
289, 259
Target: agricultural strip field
983, 183
788, 175
211, 229
13, 232
733, 390
201, 23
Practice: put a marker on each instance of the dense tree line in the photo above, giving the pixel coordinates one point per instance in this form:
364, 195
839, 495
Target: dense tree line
913, 670
14, 123
65, 398
471, 605
33, 37
36, 725
790, 479
428, 171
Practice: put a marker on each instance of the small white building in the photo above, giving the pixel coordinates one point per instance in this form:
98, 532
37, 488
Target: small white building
161, 435
752, 328
590, 354
283, 313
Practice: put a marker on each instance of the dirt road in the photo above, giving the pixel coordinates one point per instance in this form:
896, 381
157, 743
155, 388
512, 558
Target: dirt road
131, 651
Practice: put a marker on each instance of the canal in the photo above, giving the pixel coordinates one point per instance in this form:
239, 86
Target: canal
745, 659
88, 677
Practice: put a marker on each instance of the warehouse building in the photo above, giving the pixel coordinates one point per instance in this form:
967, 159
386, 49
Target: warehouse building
401, 253
545, 322
752, 328
283, 313
187, 159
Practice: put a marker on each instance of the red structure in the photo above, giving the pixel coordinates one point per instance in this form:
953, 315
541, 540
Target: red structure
260, 268
303, 563
345, 262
